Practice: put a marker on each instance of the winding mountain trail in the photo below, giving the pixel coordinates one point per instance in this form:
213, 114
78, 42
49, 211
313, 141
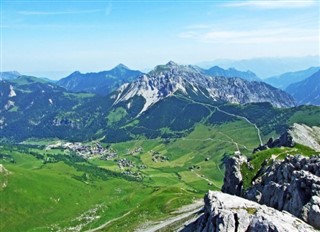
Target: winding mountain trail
108, 222
233, 115
206, 179
235, 143
242, 117
221, 140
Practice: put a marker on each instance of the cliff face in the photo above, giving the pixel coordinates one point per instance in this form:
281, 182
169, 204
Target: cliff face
224, 212
292, 185
233, 183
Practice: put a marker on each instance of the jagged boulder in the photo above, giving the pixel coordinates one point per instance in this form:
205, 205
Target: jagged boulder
233, 183
311, 212
224, 212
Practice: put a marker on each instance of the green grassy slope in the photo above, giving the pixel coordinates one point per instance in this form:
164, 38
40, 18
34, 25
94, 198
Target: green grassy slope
262, 158
42, 196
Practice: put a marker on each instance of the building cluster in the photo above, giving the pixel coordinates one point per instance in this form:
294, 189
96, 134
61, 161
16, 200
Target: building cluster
86, 151
135, 151
157, 157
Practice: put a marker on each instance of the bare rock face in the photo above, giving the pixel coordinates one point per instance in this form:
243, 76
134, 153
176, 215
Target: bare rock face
305, 135
224, 212
165, 80
292, 185
298, 133
233, 183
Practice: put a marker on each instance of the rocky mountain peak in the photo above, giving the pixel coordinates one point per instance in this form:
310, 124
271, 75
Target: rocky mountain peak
121, 66
172, 69
75, 73
172, 64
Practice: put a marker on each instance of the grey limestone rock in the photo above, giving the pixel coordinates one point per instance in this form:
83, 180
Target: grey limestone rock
224, 212
233, 183
292, 185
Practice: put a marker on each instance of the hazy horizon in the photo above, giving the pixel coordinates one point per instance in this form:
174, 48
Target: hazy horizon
313, 61
54, 38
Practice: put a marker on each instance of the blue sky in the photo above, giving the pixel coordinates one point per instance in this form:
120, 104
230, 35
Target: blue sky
54, 38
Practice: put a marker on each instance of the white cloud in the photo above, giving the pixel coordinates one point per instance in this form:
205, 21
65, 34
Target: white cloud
273, 4
198, 26
59, 12
259, 36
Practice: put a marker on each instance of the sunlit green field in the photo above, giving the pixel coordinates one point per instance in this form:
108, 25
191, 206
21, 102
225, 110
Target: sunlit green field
41, 196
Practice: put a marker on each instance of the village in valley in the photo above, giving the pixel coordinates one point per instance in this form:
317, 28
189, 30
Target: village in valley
97, 151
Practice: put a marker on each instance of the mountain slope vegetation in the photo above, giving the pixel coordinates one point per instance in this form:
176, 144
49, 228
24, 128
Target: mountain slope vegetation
101, 83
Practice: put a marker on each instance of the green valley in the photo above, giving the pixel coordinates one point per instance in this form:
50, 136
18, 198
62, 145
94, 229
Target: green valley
51, 188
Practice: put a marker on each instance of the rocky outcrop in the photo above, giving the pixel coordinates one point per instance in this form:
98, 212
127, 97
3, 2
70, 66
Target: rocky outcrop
297, 133
224, 212
292, 185
285, 140
305, 135
233, 183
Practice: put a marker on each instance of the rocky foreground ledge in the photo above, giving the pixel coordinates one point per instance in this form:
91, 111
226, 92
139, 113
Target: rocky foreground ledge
292, 185
224, 212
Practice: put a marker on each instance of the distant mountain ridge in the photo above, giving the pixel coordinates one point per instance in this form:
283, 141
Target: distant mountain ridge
231, 72
306, 92
10, 75
265, 67
166, 80
101, 83
284, 80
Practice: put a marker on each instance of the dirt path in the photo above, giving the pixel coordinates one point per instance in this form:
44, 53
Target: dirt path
107, 223
238, 116
234, 115
191, 209
235, 143
206, 179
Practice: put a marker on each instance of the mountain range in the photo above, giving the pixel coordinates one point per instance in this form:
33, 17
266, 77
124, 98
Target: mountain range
171, 95
166, 80
266, 67
105, 82
307, 91
284, 80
